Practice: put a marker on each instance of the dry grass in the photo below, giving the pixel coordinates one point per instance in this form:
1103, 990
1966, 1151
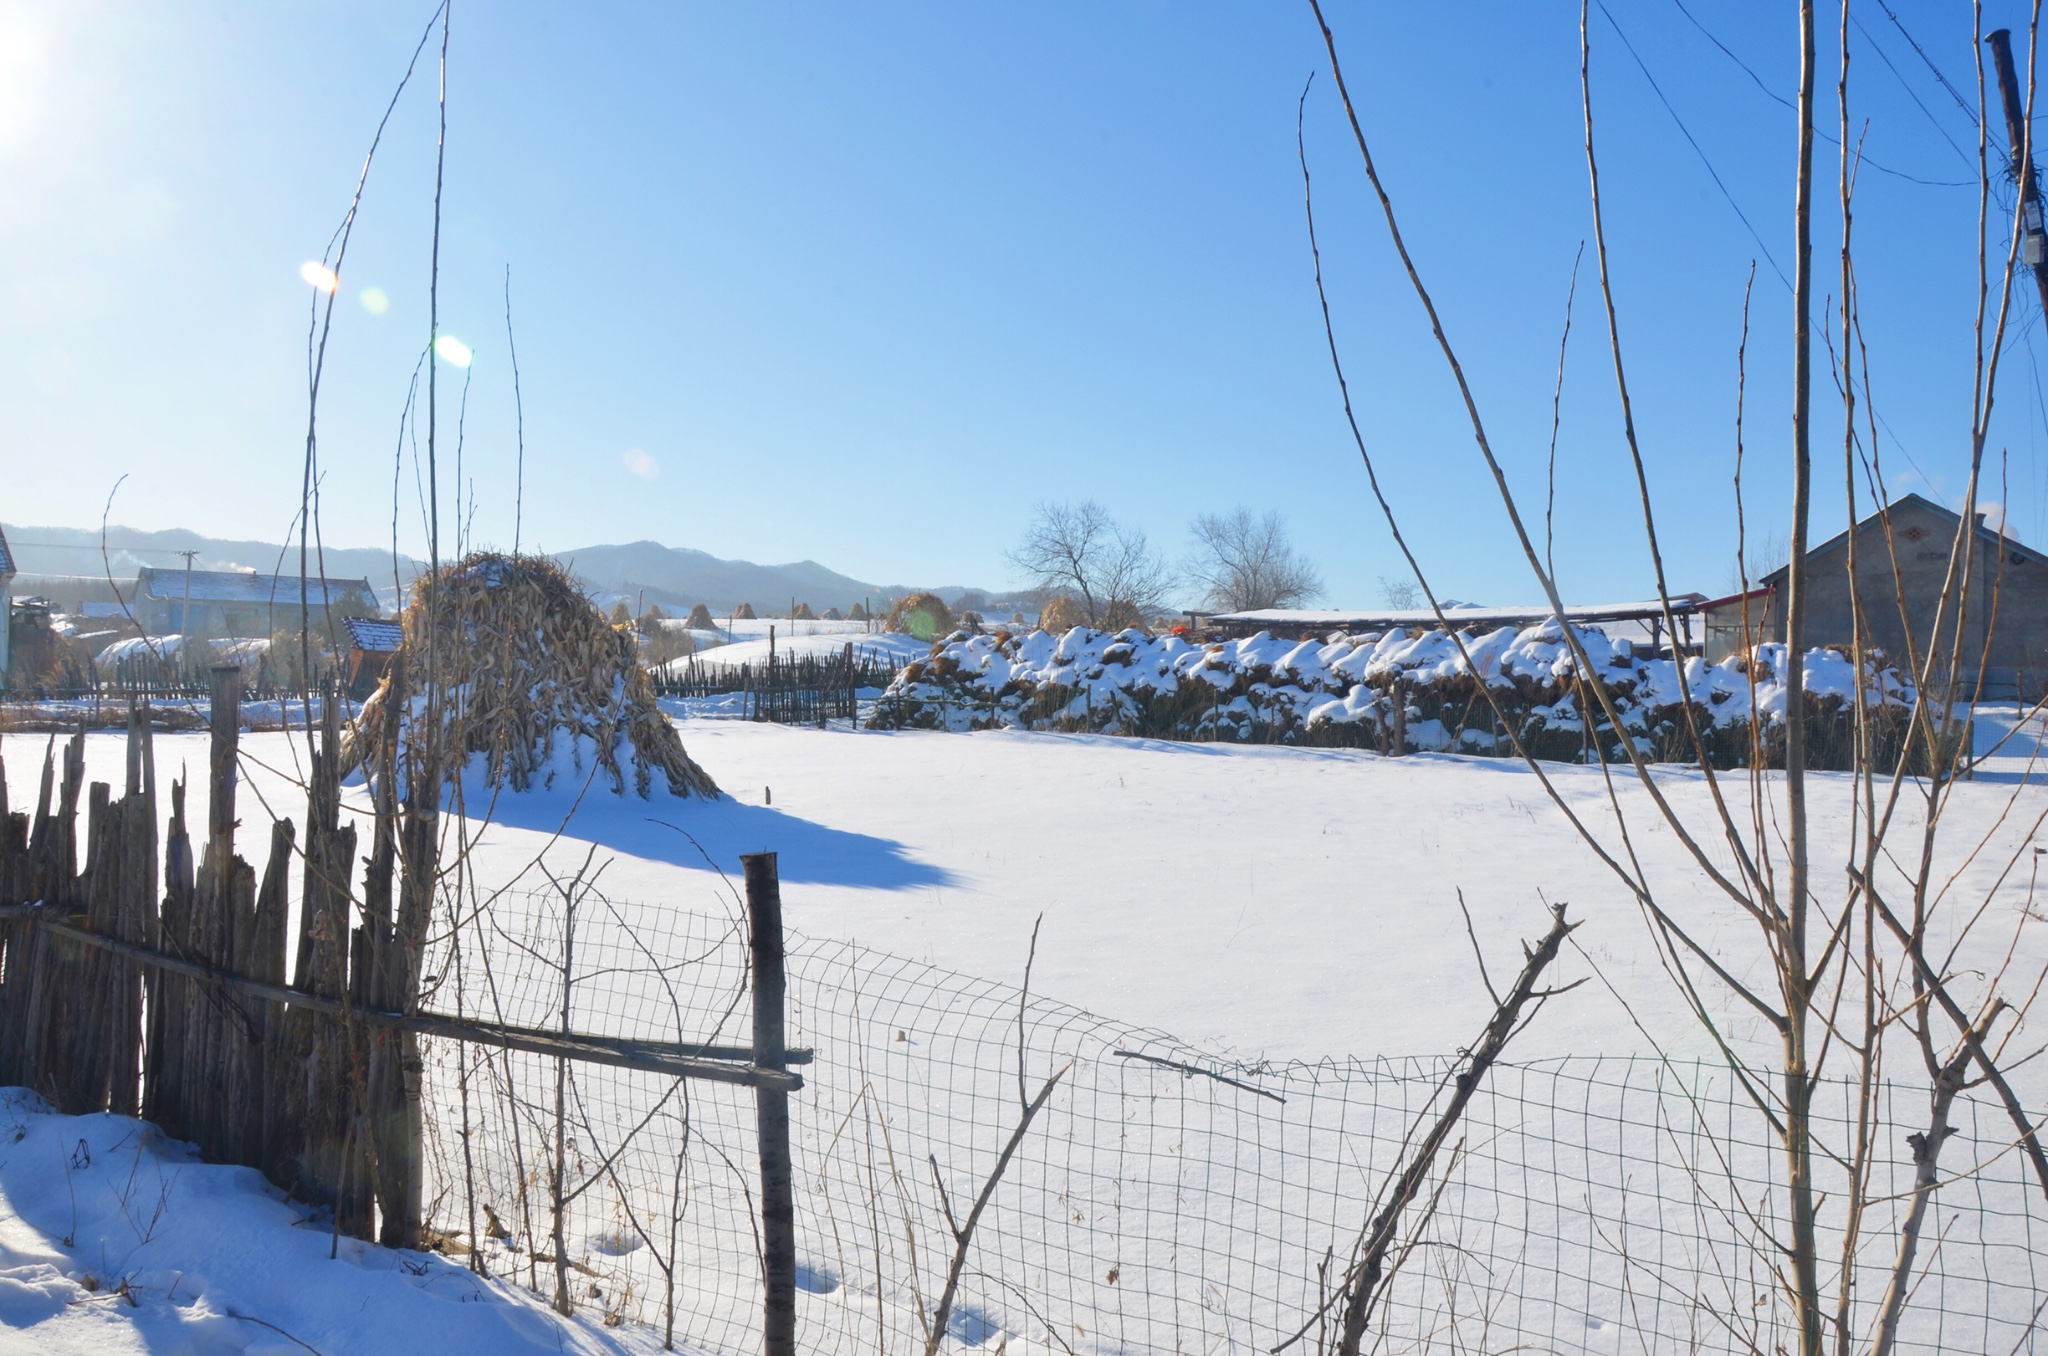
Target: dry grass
1061, 615
924, 615
527, 660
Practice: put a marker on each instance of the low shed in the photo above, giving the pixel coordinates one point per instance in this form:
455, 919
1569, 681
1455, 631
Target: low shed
1902, 583
372, 644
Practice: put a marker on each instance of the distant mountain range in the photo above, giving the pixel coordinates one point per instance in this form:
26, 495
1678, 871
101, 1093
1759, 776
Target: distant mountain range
641, 572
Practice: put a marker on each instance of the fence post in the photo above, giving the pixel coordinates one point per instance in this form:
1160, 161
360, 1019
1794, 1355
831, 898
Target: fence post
778, 1204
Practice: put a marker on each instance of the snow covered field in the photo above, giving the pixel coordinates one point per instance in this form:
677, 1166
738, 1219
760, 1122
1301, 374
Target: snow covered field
1254, 901
1263, 901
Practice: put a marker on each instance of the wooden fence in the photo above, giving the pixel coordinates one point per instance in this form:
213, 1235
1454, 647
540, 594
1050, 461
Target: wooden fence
791, 690
136, 980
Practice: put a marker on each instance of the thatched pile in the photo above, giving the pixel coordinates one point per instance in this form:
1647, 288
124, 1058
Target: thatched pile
744, 612
802, 612
858, 612
924, 615
1060, 615
532, 679
700, 619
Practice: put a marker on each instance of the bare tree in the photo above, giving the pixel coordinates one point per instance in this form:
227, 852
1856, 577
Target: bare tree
1111, 570
1244, 563
1400, 593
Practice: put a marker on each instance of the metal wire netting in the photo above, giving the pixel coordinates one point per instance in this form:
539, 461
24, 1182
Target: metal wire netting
1164, 1201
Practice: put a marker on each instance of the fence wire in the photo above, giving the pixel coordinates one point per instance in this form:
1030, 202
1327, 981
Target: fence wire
1163, 1201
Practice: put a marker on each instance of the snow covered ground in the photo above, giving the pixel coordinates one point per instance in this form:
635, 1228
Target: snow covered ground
114, 1240
1256, 901
729, 631
1262, 901
821, 643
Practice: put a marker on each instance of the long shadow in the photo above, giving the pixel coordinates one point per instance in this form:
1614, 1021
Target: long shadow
662, 829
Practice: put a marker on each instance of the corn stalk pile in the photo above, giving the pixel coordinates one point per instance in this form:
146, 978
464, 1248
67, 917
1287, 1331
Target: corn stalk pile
535, 683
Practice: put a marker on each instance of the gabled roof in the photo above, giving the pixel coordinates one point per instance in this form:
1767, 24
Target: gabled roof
374, 637
228, 586
1947, 515
6, 560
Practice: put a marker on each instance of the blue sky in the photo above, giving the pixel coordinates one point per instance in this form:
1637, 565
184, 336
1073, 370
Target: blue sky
864, 283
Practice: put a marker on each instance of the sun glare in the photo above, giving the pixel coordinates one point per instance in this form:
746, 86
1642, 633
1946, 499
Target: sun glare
374, 300
318, 276
452, 350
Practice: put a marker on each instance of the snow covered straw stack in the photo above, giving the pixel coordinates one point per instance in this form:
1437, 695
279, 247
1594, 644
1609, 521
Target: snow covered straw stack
539, 686
1340, 691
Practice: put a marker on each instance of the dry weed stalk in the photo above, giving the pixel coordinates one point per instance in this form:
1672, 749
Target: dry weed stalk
1842, 974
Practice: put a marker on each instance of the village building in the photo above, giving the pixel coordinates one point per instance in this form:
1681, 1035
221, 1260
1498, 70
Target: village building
235, 603
1902, 579
372, 644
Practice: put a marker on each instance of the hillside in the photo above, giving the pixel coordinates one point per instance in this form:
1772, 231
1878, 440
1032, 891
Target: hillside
676, 577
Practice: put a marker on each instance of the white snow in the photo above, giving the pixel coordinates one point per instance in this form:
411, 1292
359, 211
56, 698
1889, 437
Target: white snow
115, 1240
1104, 677
1259, 901
823, 644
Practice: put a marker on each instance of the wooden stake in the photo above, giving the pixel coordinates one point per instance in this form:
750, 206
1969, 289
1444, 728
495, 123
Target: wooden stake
778, 1205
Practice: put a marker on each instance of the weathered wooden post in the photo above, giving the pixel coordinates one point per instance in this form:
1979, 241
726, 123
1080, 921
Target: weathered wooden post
778, 1204
1400, 736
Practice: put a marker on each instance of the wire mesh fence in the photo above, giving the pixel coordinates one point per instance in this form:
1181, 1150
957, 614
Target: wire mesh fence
1164, 1201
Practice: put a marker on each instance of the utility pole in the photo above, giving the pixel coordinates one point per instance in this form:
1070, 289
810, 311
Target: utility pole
2034, 246
185, 615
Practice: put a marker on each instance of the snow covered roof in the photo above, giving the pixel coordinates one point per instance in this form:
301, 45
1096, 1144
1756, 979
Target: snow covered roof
226, 586
374, 637
1463, 615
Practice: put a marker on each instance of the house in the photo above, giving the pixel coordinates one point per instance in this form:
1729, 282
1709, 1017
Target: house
372, 644
235, 603
6, 604
1902, 568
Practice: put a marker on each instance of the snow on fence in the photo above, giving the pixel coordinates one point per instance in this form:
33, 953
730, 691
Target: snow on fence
1166, 1200
1344, 692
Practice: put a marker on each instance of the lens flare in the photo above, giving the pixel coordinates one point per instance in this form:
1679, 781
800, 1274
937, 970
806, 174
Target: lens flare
374, 301
640, 463
452, 351
318, 276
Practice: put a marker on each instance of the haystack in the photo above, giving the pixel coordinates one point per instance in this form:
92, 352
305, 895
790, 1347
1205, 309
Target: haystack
1061, 615
535, 682
802, 612
700, 619
858, 612
924, 615
832, 614
744, 612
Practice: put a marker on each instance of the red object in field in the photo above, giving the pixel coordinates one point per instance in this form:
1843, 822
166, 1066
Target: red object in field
1179, 631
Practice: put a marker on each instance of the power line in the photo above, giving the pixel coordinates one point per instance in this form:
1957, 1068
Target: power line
1776, 97
1886, 59
1687, 133
1961, 103
94, 547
